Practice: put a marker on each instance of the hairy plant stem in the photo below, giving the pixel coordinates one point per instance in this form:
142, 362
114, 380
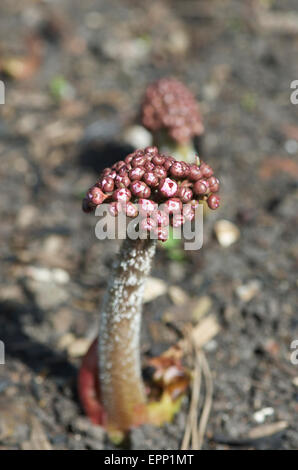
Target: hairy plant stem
121, 386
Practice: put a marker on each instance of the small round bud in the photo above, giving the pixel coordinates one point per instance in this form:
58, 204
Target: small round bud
149, 166
177, 170
107, 184
168, 163
152, 150
185, 194
115, 208
158, 160
136, 173
139, 160
117, 166
206, 170
213, 184
122, 181
162, 218
113, 174
160, 172
146, 206
168, 188
151, 179
213, 201
122, 195
96, 196
131, 210
195, 173
173, 205
177, 220
194, 204
200, 187
186, 169
129, 158
188, 212
140, 189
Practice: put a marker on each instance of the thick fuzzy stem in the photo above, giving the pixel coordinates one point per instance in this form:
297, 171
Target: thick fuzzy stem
121, 386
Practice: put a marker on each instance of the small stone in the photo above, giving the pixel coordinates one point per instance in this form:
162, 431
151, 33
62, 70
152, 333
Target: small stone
248, 291
78, 347
62, 320
226, 232
201, 307
65, 341
261, 415
295, 381
27, 216
48, 295
177, 295
39, 274
154, 288
137, 137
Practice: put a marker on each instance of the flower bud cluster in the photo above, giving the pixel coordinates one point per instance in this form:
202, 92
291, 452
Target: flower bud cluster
169, 105
147, 179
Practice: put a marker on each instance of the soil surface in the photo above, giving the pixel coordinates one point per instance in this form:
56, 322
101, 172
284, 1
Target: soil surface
75, 72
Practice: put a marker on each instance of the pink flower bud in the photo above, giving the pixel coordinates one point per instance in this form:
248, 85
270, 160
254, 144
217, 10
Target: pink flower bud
173, 205
115, 208
206, 170
178, 220
185, 194
96, 196
122, 195
200, 187
136, 173
177, 170
107, 184
140, 189
151, 179
213, 184
122, 181
146, 206
213, 201
131, 210
195, 173
160, 172
162, 218
188, 212
168, 187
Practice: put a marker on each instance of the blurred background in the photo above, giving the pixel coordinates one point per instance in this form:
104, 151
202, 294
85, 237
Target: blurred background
74, 75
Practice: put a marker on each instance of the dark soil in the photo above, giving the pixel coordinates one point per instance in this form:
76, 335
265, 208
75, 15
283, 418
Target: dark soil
51, 150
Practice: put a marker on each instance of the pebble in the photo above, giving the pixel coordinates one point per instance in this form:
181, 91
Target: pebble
261, 415
295, 381
154, 288
137, 137
201, 307
78, 347
226, 232
248, 291
177, 295
27, 216
48, 295
57, 275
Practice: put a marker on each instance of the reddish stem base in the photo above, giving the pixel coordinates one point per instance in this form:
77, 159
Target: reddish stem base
88, 386
158, 411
